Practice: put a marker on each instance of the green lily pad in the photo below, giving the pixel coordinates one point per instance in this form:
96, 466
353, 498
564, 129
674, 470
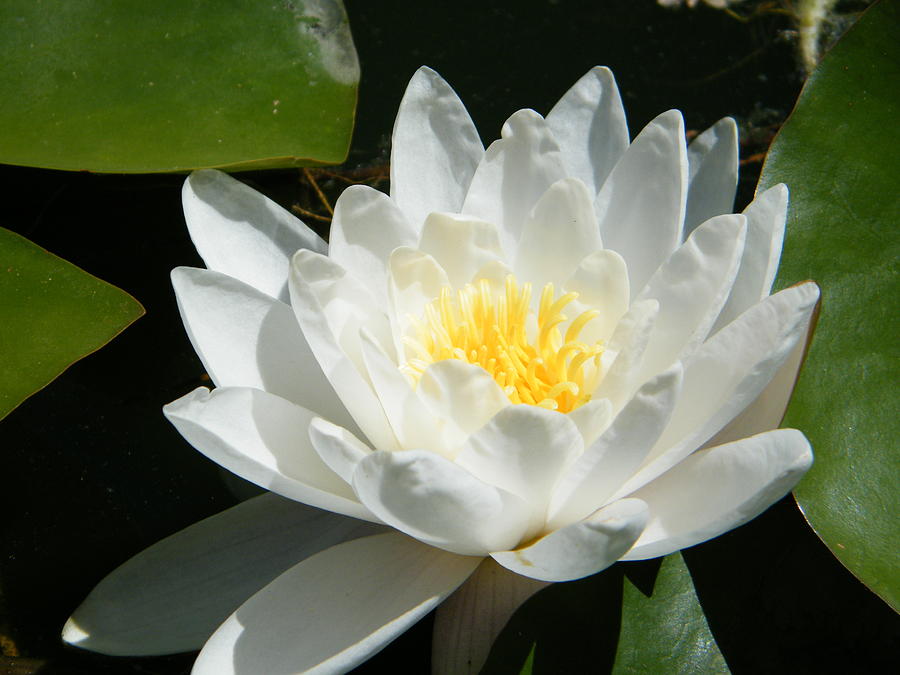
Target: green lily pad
528, 666
142, 87
838, 155
664, 629
51, 314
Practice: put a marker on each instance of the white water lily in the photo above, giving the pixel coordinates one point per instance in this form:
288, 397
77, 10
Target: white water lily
558, 352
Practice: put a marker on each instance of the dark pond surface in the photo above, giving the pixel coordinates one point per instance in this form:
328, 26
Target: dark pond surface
92, 473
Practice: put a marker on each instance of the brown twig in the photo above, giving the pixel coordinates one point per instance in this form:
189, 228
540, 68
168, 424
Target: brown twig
753, 159
356, 176
299, 210
758, 11
322, 198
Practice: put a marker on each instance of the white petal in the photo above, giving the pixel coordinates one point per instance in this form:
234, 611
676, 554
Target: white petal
523, 449
330, 307
337, 447
411, 421
727, 373
346, 304
367, 226
246, 338
243, 234
171, 597
717, 489
691, 287
495, 272
601, 281
618, 452
437, 502
434, 150
336, 609
582, 548
589, 124
462, 395
768, 409
513, 174
641, 205
467, 623
416, 279
264, 439
628, 342
592, 418
765, 233
713, 173
560, 231
461, 245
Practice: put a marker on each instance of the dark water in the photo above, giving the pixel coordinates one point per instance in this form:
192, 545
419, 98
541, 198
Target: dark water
92, 473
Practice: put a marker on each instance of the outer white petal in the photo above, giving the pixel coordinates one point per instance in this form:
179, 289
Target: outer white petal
336, 609
727, 373
617, 453
467, 623
264, 439
713, 173
560, 231
171, 597
691, 287
629, 341
765, 234
462, 395
337, 447
246, 338
367, 226
641, 205
434, 500
243, 234
582, 548
462, 245
717, 489
331, 307
601, 281
513, 174
767, 411
589, 124
523, 449
434, 150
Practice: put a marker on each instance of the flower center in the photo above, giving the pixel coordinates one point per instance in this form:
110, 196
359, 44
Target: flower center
529, 357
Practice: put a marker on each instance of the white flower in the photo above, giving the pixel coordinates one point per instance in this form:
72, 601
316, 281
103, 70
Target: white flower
517, 355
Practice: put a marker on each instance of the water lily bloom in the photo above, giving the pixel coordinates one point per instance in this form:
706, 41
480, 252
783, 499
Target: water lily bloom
554, 353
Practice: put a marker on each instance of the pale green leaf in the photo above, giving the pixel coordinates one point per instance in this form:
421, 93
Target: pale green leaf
663, 627
139, 87
51, 314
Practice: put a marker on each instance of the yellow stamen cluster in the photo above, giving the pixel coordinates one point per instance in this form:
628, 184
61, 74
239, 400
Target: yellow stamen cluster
547, 368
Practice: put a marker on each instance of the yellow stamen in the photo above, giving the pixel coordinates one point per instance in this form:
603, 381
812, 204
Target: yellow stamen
487, 328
